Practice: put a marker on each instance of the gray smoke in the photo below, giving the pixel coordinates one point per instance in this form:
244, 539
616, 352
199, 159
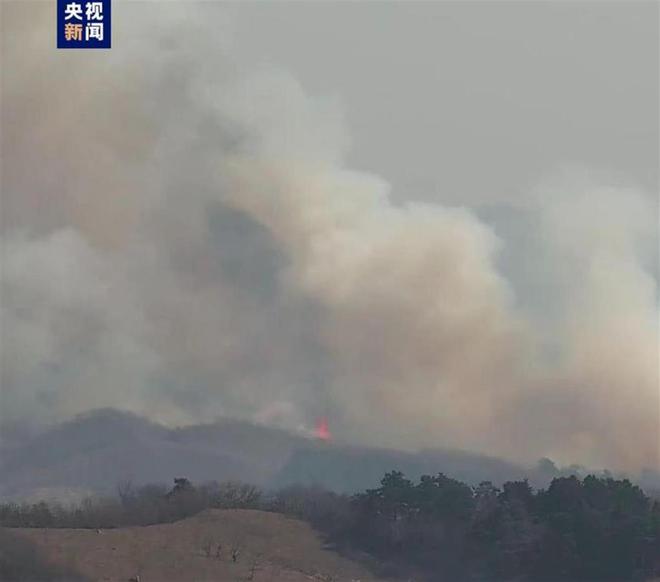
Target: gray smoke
184, 240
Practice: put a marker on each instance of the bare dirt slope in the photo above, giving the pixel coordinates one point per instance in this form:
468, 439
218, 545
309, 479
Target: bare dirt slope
271, 547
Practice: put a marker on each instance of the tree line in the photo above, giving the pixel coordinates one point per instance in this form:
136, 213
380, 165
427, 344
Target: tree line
577, 529
133, 505
438, 528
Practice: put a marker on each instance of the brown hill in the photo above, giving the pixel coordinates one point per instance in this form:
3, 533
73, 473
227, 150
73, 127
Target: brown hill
271, 547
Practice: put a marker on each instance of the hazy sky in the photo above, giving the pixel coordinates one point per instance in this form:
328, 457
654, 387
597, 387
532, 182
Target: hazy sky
435, 223
475, 101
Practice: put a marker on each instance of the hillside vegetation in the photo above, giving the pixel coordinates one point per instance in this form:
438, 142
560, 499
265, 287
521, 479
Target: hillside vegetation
437, 529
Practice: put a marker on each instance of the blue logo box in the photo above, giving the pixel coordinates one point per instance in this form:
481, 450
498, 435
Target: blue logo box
84, 24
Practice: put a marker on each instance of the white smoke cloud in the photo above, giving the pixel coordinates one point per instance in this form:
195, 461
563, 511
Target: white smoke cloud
185, 241
599, 239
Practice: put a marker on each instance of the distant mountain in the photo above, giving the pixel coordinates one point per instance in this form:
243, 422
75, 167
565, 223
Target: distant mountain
97, 450
348, 469
94, 452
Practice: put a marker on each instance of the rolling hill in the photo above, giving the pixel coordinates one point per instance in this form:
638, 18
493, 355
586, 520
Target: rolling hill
271, 547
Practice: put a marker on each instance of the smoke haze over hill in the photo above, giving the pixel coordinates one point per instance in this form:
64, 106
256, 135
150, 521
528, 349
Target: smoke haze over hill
184, 239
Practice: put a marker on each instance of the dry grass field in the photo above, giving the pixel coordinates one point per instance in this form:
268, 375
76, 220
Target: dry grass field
271, 547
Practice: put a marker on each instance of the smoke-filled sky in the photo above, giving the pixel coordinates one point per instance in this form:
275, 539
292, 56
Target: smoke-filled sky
434, 223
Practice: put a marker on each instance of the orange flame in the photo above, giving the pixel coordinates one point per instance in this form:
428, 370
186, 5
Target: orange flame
321, 431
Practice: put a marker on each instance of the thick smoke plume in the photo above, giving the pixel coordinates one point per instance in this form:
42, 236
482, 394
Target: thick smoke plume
185, 241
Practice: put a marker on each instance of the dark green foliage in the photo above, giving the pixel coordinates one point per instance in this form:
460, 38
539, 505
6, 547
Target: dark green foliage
594, 529
417, 523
